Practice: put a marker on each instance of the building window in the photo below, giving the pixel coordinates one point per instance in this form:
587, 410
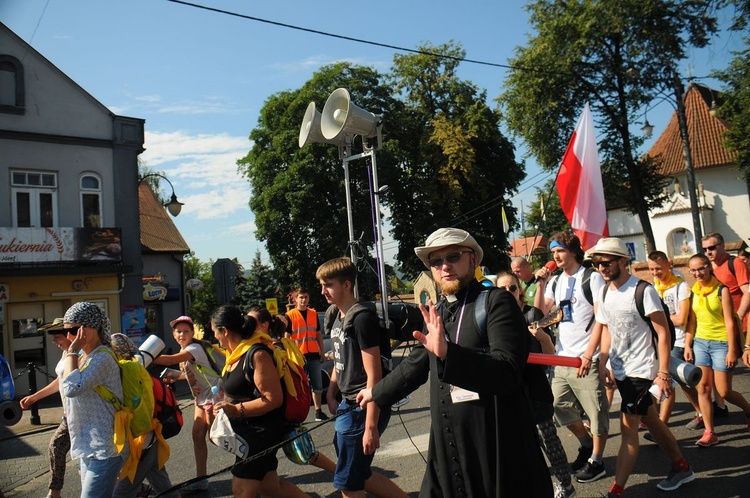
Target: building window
91, 201
34, 197
12, 93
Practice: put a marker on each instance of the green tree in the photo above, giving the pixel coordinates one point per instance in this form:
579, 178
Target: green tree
616, 55
256, 285
202, 302
453, 165
736, 105
552, 220
298, 194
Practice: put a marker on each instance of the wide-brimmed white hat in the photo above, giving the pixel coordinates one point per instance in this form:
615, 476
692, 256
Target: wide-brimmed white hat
612, 246
444, 237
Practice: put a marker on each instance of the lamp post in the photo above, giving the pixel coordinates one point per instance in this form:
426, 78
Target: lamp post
173, 206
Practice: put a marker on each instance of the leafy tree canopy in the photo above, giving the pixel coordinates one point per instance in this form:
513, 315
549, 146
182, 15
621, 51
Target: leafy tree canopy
616, 55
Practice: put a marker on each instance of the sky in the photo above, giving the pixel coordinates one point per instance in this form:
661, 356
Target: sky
200, 78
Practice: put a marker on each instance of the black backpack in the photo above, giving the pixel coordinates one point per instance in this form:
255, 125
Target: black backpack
640, 288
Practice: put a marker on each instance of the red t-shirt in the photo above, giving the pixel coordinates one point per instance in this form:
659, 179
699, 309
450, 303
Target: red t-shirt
733, 282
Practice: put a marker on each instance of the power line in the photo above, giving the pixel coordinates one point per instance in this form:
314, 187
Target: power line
357, 40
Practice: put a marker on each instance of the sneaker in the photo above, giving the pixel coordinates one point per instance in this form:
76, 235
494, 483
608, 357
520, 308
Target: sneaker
720, 412
591, 472
201, 485
580, 461
708, 439
648, 437
563, 492
696, 423
320, 416
642, 426
676, 478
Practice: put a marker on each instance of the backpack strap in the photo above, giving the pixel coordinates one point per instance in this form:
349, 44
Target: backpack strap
732, 269
480, 310
586, 286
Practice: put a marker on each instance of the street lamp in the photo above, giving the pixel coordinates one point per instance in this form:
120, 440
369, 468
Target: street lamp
173, 206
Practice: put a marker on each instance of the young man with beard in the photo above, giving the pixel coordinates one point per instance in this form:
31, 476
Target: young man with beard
482, 437
628, 343
575, 292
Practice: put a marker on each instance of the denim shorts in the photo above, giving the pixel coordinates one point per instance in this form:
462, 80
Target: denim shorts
353, 466
711, 354
314, 372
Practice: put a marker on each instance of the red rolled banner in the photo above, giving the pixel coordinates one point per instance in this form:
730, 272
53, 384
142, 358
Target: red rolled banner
554, 360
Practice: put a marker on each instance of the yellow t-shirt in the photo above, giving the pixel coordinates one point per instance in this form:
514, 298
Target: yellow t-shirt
709, 316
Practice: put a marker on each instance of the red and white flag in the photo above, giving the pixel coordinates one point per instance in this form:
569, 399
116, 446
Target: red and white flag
579, 184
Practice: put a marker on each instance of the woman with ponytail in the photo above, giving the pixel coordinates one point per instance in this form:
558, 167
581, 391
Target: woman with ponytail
711, 341
253, 401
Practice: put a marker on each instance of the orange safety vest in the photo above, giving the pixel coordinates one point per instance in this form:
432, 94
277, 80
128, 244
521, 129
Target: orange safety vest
305, 334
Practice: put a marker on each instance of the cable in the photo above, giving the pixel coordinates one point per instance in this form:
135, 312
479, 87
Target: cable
360, 40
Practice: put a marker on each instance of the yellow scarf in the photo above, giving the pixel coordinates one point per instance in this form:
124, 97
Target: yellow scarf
704, 290
280, 357
667, 283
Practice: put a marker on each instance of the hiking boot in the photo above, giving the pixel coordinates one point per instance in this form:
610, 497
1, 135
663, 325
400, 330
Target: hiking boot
580, 461
591, 472
320, 416
563, 492
708, 439
696, 423
676, 478
720, 412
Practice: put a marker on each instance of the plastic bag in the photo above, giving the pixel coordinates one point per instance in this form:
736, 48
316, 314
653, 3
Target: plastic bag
223, 436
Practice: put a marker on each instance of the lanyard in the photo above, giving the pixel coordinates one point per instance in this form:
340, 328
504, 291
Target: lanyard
460, 319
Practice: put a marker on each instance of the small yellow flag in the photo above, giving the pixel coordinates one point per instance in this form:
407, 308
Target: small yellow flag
506, 226
272, 305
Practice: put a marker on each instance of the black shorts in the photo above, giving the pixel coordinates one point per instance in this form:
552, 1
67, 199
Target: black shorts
635, 396
258, 439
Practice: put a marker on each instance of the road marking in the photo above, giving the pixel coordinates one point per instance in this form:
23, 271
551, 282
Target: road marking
404, 447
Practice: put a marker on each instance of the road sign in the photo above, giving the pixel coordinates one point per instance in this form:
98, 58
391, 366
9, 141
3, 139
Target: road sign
272, 305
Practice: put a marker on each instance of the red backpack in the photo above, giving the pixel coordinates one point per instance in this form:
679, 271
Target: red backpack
166, 409
295, 408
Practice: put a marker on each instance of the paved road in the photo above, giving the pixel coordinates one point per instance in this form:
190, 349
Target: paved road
723, 471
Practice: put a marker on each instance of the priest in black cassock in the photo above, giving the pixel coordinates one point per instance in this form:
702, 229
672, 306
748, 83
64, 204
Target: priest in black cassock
482, 439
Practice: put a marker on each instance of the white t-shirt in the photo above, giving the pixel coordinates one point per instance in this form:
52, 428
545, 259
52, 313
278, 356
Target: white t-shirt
60, 370
573, 338
201, 376
672, 297
631, 352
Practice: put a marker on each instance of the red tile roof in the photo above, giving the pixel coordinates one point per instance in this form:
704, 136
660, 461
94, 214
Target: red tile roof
158, 231
526, 246
705, 132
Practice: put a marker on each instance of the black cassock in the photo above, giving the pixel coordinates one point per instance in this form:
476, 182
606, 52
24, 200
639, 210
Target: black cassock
487, 447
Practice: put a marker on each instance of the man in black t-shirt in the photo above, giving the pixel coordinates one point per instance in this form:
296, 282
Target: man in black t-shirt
355, 338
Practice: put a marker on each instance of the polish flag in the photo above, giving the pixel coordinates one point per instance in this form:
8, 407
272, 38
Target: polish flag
579, 184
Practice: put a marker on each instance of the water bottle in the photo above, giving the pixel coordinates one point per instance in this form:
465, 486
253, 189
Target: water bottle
216, 395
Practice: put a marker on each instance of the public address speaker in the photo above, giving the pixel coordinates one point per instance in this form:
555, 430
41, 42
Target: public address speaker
341, 117
309, 131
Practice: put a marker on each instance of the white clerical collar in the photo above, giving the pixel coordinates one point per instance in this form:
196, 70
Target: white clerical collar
451, 298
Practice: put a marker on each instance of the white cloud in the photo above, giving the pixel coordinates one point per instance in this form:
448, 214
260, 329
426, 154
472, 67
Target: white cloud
178, 145
316, 61
148, 98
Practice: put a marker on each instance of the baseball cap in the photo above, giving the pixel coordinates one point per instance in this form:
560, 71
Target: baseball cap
182, 318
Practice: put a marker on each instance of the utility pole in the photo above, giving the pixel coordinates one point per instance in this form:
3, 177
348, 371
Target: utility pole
687, 155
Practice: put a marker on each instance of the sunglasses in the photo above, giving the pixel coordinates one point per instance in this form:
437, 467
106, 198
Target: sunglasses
451, 259
512, 288
698, 270
71, 330
711, 248
604, 263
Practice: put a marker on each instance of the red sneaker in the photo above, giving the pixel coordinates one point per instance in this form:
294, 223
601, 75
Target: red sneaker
708, 439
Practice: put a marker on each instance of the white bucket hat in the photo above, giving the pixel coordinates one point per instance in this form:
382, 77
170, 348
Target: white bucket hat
611, 246
444, 237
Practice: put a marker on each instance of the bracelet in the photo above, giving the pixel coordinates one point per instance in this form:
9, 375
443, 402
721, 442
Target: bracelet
586, 358
242, 410
746, 346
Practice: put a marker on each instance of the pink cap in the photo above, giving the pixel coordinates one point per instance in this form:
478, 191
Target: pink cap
181, 319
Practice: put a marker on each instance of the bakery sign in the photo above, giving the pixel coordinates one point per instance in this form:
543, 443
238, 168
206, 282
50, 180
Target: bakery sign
50, 245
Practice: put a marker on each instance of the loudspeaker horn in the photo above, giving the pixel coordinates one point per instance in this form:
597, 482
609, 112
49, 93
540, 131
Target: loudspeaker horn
309, 131
341, 117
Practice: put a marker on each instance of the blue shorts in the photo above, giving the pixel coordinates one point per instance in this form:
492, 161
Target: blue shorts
711, 354
314, 372
353, 466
